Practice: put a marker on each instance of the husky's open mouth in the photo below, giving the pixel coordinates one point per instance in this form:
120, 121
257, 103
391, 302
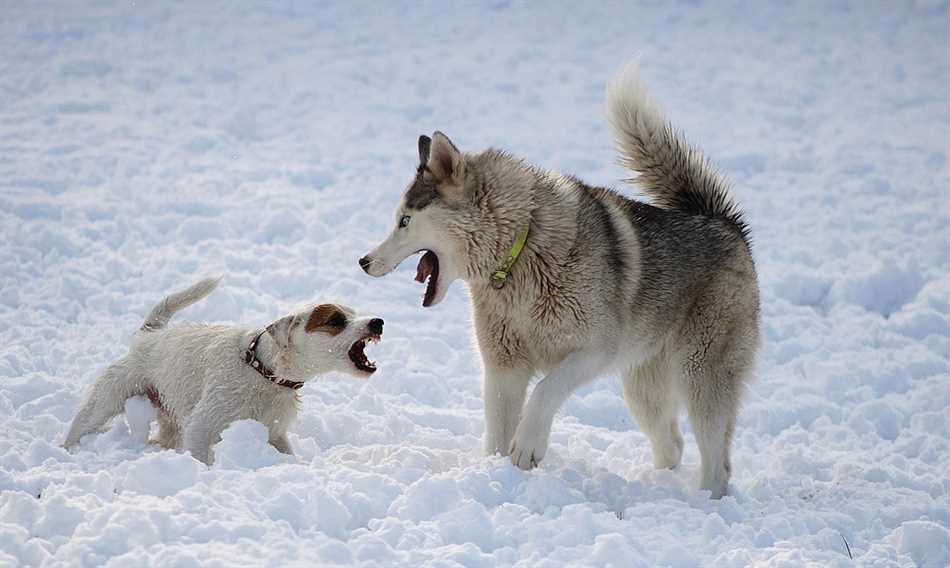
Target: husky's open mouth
357, 354
428, 268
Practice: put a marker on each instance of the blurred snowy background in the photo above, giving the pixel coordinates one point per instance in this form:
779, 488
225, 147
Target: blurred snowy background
144, 145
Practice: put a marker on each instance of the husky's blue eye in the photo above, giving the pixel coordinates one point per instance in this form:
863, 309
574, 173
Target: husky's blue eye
404, 221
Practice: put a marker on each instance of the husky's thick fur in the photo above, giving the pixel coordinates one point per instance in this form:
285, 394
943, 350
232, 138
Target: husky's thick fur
664, 294
200, 378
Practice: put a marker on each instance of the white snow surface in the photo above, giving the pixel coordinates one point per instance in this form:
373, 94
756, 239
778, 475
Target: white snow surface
144, 145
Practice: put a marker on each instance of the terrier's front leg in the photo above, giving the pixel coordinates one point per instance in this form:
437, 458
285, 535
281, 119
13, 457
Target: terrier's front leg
281, 443
199, 437
203, 429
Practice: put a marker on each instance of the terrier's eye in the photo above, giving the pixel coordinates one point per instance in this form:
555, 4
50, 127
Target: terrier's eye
337, 320
404, 221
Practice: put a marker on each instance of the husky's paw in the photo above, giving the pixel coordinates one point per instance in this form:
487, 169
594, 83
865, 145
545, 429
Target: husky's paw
495, 448
529, 445
495, 441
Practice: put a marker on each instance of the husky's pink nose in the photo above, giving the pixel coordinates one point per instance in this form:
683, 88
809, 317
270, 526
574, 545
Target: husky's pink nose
364, 264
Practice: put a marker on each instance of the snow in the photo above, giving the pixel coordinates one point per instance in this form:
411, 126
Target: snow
927, 543
146, 145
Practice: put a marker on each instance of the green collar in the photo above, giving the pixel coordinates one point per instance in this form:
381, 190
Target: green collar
499, 277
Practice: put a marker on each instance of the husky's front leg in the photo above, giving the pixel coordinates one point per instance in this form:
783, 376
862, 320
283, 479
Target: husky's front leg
530, 442
504, 394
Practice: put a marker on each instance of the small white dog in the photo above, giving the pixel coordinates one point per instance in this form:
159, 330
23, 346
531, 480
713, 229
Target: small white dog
203, 377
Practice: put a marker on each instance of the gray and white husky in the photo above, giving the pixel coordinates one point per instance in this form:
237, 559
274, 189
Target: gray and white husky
664, 294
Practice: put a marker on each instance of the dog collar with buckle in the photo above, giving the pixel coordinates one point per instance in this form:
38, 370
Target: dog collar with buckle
250, 357
499, 277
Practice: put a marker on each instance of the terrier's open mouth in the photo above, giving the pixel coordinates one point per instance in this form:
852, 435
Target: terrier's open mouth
428, 268
357, 354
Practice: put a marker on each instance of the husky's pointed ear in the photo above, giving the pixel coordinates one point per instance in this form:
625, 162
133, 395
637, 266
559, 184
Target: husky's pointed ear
280, 331
445, 160
424, 144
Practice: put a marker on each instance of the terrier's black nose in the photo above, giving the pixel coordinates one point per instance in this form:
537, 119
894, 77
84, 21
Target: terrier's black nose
364, 264
376, 326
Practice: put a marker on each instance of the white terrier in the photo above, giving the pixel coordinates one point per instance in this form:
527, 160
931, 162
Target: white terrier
203, 377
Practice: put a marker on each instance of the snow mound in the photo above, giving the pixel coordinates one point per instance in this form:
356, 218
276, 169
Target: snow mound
139, 414
161, 474
926, 542
244, 445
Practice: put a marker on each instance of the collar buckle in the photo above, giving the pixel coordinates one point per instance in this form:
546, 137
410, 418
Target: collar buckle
498, 279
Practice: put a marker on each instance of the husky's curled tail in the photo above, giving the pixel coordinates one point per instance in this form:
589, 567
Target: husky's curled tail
672, 173
164, 310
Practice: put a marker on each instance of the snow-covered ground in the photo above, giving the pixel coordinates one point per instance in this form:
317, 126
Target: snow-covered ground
144, 145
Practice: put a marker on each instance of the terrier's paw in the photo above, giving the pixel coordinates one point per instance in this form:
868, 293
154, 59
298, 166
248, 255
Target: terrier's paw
529, 445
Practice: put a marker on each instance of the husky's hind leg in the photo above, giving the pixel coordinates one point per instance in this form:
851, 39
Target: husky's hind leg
105, 401
712, 418
719, 351
650, 395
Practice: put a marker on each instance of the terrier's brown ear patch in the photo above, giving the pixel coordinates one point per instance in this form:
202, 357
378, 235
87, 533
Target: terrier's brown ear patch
326, 318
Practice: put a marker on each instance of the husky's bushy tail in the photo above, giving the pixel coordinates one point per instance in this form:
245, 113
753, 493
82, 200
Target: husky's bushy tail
180, 300
674, 174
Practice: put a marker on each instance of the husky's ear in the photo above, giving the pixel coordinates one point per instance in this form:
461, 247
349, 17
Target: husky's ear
280, 331
445, 160
424, 144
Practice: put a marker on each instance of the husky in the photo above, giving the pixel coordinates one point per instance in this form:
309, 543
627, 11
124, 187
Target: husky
570, 282
203, 377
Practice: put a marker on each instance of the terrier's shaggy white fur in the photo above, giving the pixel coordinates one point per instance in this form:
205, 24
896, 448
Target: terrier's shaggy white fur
197, 376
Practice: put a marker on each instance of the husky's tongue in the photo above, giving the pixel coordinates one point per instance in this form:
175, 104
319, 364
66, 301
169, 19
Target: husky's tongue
428, 267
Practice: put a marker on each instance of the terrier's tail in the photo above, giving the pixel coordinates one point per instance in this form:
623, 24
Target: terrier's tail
161, 313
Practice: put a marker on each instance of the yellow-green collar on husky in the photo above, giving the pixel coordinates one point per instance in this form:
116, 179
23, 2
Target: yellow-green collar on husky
499, 277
